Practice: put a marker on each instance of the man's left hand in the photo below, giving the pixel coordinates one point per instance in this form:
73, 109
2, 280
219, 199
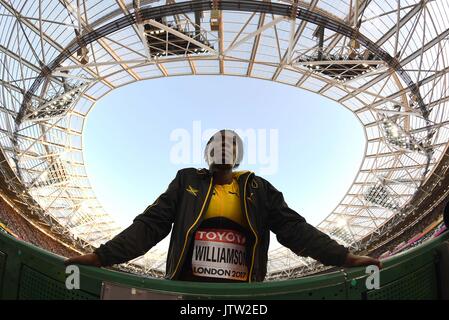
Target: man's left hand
353, 260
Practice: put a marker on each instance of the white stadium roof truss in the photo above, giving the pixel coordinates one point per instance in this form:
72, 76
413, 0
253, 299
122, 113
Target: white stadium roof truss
386, 61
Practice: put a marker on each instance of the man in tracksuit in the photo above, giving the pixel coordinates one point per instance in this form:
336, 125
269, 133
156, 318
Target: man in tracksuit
221, 222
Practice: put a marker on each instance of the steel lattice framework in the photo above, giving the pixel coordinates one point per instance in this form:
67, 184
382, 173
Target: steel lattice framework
386, 61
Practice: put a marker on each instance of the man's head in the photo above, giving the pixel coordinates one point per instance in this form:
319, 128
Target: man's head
224, 150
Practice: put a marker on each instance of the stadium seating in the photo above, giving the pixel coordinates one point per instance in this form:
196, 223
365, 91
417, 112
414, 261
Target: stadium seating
22, 229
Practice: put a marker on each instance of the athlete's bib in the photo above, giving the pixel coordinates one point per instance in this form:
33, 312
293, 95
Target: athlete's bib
219, 253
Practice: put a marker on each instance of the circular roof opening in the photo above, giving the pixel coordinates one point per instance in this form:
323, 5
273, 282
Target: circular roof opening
138, 136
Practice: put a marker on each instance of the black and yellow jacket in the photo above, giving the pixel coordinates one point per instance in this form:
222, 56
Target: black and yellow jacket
183, 205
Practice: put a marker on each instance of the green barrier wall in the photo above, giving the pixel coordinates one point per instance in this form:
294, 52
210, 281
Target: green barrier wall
28, 272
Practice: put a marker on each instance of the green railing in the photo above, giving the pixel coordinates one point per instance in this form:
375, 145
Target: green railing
28, 272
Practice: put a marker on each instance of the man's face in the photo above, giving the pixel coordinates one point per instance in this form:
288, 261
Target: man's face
222, 151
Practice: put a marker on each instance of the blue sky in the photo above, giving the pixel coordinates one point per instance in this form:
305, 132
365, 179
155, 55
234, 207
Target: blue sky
129, 140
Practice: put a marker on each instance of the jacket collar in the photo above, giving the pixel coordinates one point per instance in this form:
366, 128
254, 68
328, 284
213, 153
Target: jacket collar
207, 173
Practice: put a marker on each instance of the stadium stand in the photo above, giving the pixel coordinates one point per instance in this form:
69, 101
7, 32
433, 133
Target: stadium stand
446, 216
433, 230
23, 230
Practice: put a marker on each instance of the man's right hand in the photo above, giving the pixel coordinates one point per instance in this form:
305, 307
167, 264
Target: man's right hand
90, 259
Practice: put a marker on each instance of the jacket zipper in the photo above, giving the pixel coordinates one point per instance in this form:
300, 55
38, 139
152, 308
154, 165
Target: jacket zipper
190, 229
252, 229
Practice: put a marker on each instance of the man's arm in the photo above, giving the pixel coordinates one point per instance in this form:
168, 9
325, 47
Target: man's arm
147, 229
295, 233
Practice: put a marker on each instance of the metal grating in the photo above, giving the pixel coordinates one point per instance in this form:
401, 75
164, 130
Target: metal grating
36, 285
420, 285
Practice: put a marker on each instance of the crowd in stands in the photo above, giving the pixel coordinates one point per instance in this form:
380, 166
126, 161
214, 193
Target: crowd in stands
417, 239
22, 229
398, 244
